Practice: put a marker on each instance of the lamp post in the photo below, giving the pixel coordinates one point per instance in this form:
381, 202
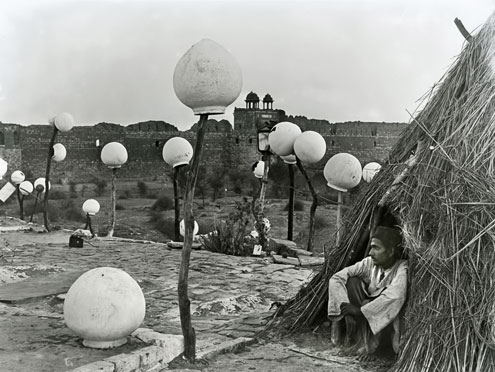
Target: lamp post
342, 172
17, 177
41, 186
310, 147
61, 123
370, 170
177, 152
90, 207
207, 79
113, 155
263, 142
290, 160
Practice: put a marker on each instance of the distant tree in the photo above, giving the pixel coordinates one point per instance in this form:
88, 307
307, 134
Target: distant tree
238, 179
216, 181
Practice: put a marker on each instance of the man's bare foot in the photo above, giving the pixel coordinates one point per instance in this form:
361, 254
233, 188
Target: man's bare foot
365, 357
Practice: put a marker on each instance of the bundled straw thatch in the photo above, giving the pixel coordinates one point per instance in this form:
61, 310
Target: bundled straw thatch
440, 185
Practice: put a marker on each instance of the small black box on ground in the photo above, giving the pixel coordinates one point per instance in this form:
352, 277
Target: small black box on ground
76, 241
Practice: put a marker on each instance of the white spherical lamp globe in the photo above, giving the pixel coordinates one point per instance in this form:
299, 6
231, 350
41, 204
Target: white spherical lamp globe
289, 159
91, 207
342, 172
370, 170
259, 169
207, 78
3, 167
104, 306
310, 147
177, 151
26, 188
59, 152
182, 228
39, 184
17, 177
282, 137
63, 122
114, 154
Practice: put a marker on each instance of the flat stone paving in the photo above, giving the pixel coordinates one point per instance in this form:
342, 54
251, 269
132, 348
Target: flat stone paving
229, 295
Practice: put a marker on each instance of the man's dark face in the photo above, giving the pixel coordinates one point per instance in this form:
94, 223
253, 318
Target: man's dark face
381, 255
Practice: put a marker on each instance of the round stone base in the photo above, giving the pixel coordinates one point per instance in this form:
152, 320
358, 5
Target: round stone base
105, 344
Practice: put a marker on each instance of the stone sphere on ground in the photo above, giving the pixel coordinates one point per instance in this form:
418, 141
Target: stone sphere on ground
104, 306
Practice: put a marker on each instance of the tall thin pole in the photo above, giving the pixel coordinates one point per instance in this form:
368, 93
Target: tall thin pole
291, 202
113, 202
184, 302
20, 199
176, 204
47, 178
312, 210
264, 183
339, 216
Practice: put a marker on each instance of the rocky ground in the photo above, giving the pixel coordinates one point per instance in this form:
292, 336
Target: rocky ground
230, 298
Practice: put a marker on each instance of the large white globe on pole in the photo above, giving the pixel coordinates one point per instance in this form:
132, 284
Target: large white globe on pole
282, 137
91, 207
310, 147
182, 227
17, 177
104, 306
114, 154
207, 78
3, 168
39, 184
63, 122
343, 172
370, 170
177, 151
59, 152
26, 188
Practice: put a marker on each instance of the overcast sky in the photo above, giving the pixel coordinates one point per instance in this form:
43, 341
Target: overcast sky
113, 61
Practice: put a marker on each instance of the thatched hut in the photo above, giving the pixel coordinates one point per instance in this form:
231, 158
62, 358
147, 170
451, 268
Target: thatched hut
439, 183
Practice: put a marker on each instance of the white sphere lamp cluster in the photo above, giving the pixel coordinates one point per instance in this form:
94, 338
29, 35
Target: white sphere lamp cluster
177, 151
342, 172
114, 155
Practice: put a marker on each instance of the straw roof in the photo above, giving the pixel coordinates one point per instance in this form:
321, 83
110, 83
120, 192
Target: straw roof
439, 184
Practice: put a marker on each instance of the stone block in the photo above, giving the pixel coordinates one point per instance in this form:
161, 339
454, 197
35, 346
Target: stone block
230, 346
288, 261
125, 362
100, 366
311, 261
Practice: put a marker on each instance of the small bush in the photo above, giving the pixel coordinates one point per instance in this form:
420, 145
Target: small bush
298, 206
119, 207
231, 236
321, 222
163, 224
142, 188
163, 203
57, 195
101, 185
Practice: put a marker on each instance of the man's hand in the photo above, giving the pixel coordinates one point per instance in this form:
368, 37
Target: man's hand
350, 309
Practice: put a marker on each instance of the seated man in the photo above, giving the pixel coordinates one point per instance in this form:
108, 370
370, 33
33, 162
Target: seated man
371, 293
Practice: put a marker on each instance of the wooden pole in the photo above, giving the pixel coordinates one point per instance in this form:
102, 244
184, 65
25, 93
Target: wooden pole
113, 202
291, 202
312, 211
184, 303
47, 178
264, 182
339, 216
20, 199
176, 205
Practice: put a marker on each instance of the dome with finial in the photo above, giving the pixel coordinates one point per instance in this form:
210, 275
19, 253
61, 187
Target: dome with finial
252, 97
267, 98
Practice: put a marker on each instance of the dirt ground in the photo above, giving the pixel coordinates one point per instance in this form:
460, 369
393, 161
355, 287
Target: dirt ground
304, 352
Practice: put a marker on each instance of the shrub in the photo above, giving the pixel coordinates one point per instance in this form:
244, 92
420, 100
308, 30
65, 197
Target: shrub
163, 203
125, 195
142, 188
230, 236
165, 225
57, 195
298, 206
100, 186
321, 222
119, 207
73, 190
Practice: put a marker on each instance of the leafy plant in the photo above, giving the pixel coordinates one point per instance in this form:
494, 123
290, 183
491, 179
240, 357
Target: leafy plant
163, 203
142, 188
